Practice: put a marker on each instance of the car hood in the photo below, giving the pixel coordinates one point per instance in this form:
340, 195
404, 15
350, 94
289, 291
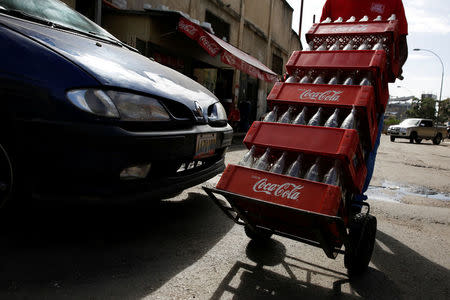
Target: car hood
115, 66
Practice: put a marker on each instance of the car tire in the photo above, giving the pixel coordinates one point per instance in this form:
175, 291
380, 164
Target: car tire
417, 140
258, 234
412, 137
362, 232
392, 139
6, 176
437, 139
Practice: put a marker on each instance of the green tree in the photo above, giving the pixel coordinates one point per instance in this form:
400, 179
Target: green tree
424, 108
444, 111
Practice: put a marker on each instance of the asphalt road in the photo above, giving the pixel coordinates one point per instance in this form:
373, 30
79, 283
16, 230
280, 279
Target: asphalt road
185, 247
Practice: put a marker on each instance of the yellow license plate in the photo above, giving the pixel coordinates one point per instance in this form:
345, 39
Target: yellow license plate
206, 145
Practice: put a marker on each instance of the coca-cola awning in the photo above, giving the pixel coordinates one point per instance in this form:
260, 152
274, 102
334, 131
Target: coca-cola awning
229, 54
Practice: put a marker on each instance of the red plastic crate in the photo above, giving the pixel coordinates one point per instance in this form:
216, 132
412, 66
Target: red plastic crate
336, 143
370, 31
283, 190
333, 61
335, 96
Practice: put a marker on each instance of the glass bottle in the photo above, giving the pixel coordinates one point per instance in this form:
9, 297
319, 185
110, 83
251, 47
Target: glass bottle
323, 47
333, 120
295, 168
272, 116
301, 118
349, 122
249, 158
332, 177
349, 46
313, 172
316, 120
262, 163
351, 19
278, 166
336, 46
286, 117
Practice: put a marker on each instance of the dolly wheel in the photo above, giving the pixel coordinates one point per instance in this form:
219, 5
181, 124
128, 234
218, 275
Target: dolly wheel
392, 138
258, 235
363, 229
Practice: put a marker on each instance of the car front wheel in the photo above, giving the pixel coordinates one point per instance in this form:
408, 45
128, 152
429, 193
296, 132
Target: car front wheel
437, 139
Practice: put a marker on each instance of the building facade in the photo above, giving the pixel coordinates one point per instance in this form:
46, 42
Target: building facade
260, 28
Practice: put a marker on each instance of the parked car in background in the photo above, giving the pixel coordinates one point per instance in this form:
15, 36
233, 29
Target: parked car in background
416, 130
448, 129
83, 113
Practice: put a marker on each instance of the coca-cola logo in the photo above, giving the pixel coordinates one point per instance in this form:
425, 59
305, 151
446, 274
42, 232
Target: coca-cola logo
353, 28
330, 95
212, 47
286, 190
188, 28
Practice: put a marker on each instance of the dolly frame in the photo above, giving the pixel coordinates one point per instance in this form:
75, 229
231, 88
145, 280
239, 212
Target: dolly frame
320, 221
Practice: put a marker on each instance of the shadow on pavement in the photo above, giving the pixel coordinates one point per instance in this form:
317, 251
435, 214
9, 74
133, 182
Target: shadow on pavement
122, 251
404, 272
401, 274
245, 281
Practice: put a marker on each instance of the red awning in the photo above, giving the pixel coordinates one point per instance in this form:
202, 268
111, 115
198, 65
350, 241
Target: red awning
230, 55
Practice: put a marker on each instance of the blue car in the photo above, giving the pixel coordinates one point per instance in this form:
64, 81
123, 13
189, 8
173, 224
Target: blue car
84, 114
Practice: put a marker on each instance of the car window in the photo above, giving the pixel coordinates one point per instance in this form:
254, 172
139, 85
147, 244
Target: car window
410, 122
57, 12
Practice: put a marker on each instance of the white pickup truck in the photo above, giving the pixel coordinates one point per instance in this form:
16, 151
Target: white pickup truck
416, 130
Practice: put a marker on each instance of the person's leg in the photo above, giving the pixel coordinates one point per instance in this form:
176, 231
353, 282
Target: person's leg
370, 164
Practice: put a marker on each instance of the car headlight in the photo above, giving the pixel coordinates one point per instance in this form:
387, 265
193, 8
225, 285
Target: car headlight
217, 113
126, 106
403, 130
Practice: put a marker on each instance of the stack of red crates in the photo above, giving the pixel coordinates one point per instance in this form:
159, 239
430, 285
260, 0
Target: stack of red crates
349, 146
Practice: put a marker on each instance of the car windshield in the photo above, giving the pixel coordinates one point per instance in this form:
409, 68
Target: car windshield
410, 122
54, 12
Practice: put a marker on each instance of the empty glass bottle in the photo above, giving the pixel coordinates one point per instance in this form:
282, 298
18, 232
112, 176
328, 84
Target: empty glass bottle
351, 19
349, 122
272, 116
301, 118
286, 117
316, 120
338, 20
336, 46
364, 19
323, 47
364, 46
348, 81
377, 19
313, 172
333, 80
333, 120
295, 168
332, 177
319, 80
392, 17
378, 45
262, 163
349, 46
292, 79
278, 166
327, 20
365, 81
306, 79
249, 158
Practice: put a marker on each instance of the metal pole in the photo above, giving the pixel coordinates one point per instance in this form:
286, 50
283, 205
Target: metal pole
442, 76
301, 19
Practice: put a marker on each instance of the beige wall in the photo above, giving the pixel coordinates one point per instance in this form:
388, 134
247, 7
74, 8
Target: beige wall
257, 12
281, 24
182, 5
